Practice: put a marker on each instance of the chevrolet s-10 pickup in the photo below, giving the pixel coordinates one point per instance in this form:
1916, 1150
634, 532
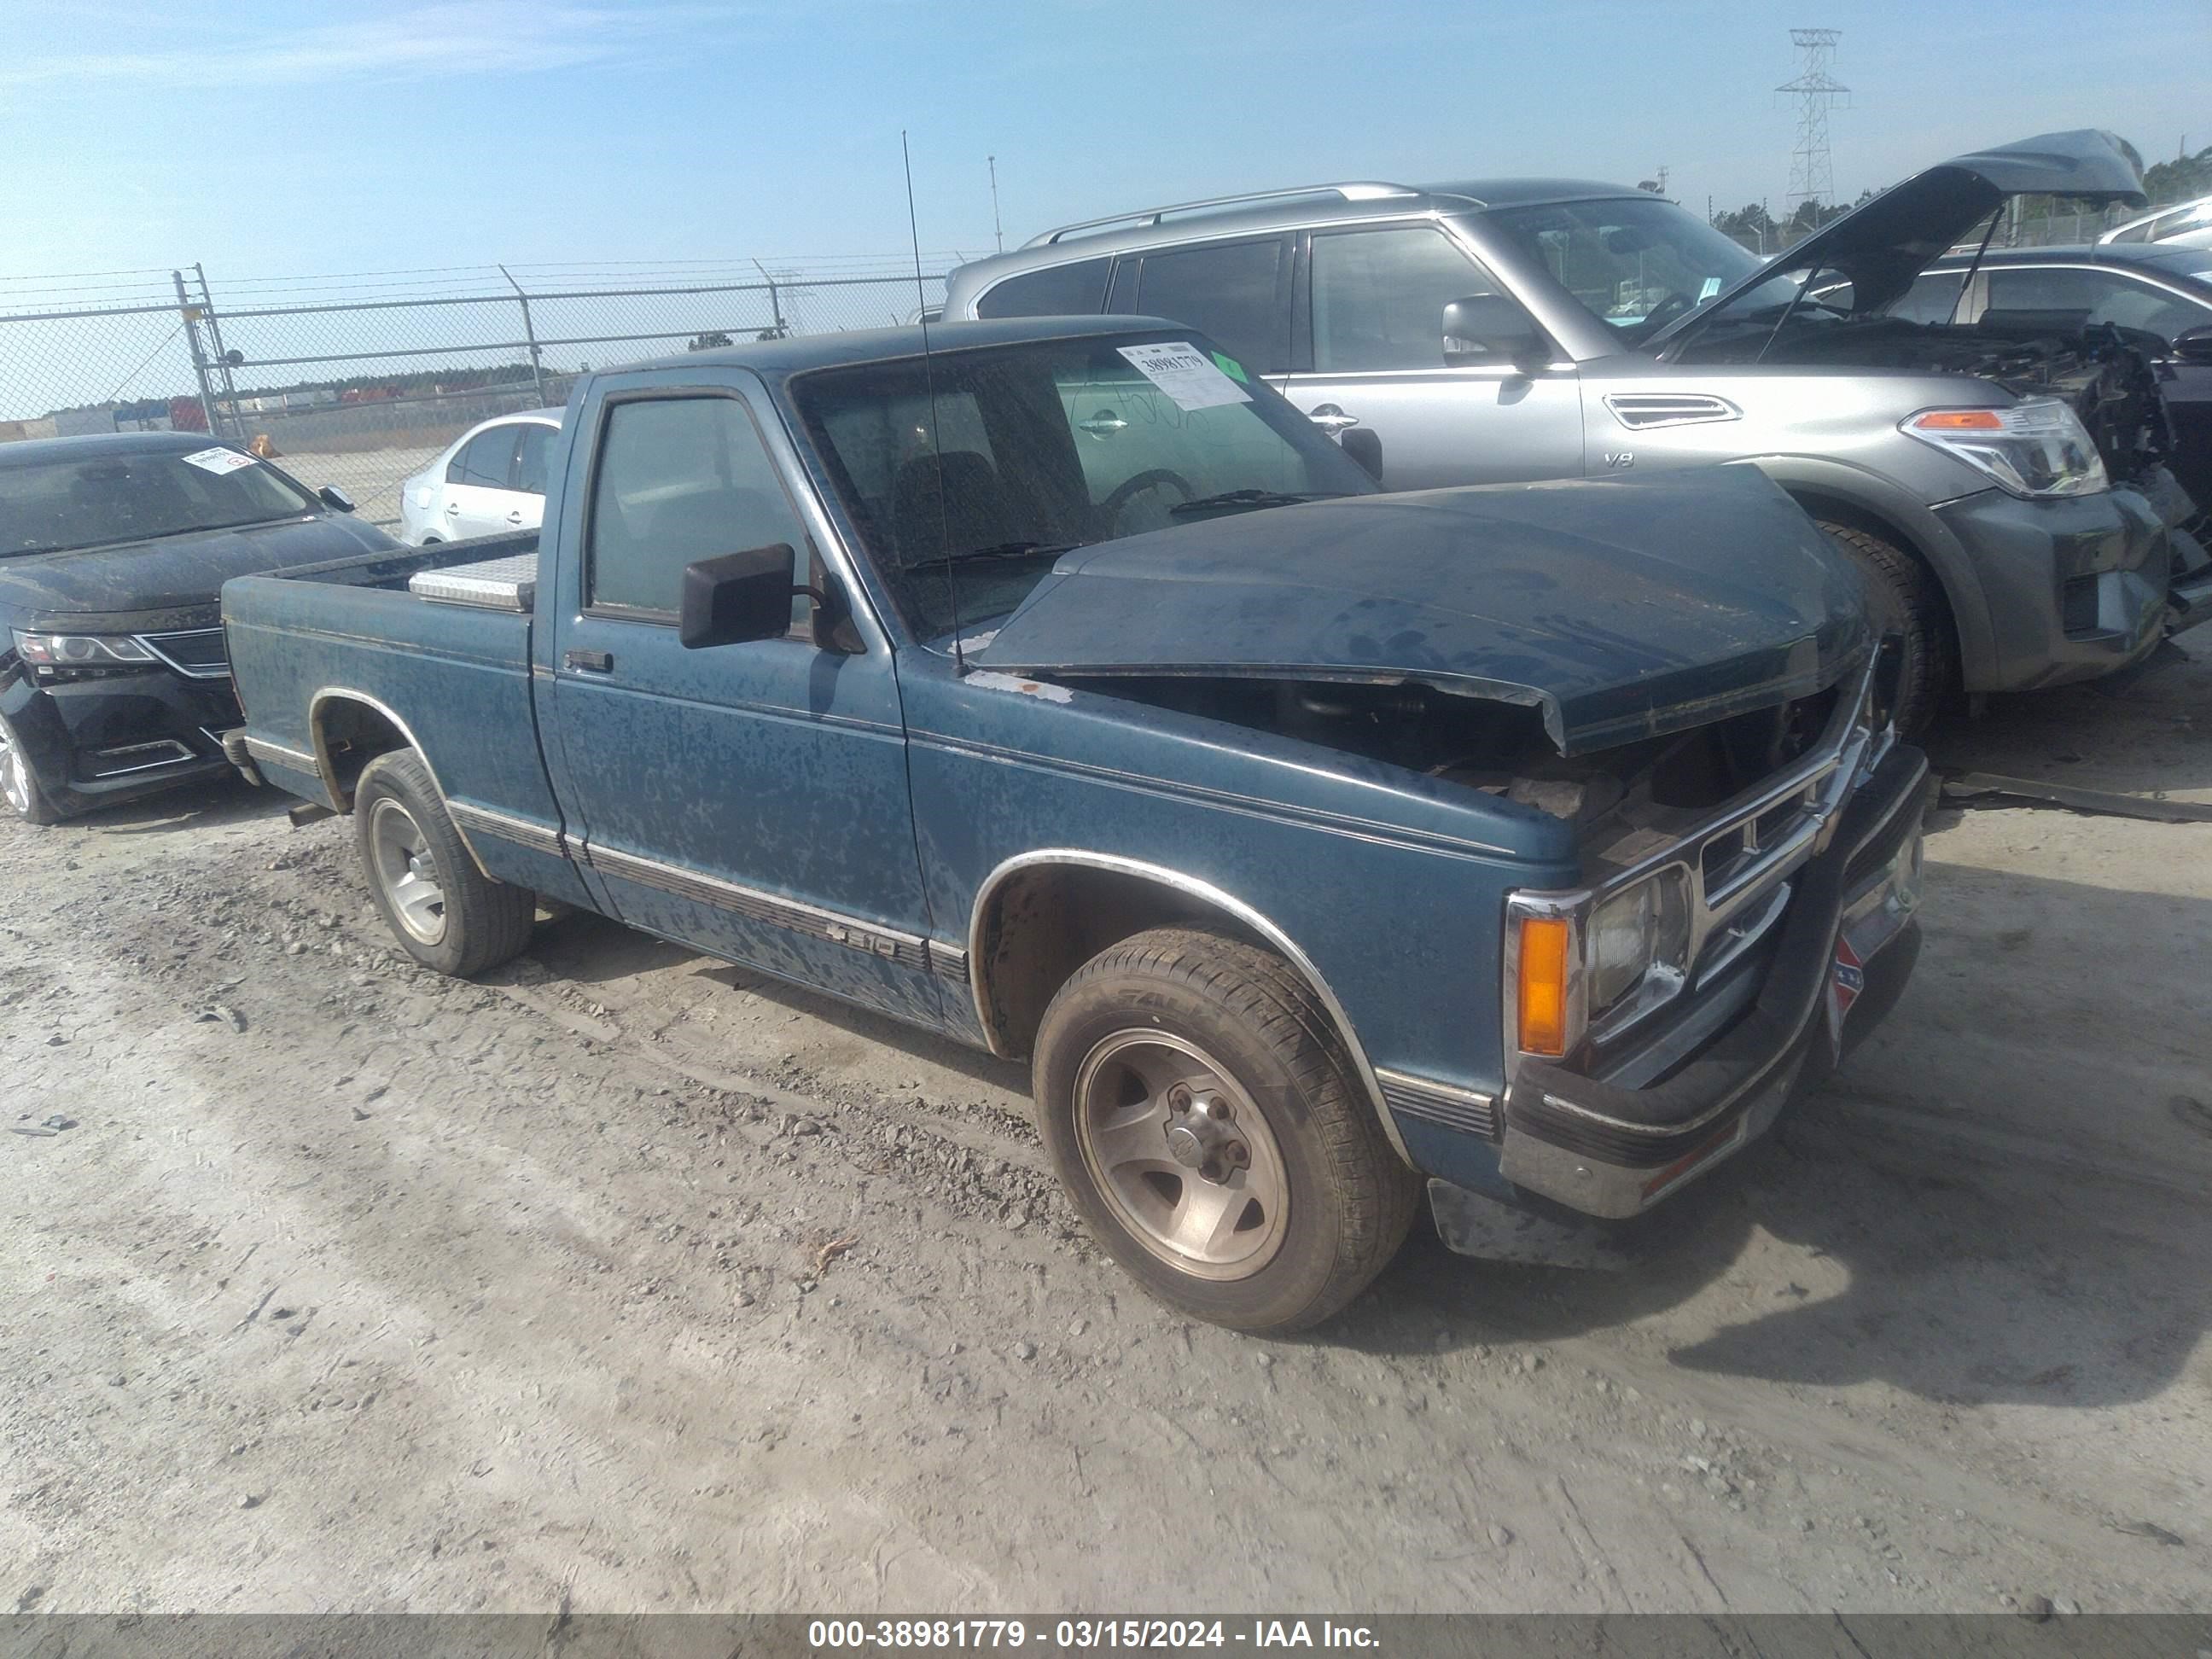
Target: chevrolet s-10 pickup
1057, 687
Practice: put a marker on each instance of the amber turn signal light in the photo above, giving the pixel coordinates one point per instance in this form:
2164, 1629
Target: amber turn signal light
1961, 420
1543, 986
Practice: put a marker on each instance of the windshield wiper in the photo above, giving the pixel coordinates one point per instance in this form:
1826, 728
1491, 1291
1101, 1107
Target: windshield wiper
996, 550
1253, 498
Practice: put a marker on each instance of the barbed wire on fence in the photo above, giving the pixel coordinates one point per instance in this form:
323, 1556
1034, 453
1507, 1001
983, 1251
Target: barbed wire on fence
359, 380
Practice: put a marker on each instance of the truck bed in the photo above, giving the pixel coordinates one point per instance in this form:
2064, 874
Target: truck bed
325, 655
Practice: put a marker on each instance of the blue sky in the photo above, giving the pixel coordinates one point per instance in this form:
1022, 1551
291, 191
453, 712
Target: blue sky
275, 139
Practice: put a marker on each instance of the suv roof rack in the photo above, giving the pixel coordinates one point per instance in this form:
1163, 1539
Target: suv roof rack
1357, 190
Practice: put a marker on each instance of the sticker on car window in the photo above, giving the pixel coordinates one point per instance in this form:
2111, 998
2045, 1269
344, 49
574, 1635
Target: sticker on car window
217, 460
1229, 366
1190, 378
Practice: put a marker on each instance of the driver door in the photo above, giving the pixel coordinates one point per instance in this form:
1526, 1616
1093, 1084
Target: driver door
1370, 321
748, 799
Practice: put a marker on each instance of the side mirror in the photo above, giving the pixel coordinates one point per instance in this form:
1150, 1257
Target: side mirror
2193, 345
1364, 447
737, 597
334, 498
1488, 329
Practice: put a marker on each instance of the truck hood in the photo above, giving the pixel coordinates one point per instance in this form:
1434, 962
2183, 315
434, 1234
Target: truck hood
169, 574
1620, 609
1882, 246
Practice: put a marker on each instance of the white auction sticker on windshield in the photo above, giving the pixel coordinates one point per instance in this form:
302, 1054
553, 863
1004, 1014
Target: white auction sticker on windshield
1189, 377
217, 460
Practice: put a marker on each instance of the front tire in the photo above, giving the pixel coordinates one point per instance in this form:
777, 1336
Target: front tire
20, 785
1208, 1126
445, 912
1906, 600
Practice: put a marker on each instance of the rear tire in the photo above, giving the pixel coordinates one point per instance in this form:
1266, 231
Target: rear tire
444, 911
20, 785
1208, 1127
1905, 599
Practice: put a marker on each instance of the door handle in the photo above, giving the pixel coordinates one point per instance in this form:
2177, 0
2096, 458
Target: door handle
515, 517
452, 509
590, 662
1331, 419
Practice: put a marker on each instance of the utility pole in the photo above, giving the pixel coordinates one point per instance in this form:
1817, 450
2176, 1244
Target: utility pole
992, 162
1812, 172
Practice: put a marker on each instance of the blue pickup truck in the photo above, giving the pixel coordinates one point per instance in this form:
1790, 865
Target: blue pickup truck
1057, 687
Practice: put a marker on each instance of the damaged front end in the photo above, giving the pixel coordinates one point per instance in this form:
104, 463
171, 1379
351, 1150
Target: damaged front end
1714, 739
1657, 1019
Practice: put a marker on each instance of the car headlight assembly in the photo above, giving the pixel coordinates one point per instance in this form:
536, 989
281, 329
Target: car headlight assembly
1597, 962
2036, 449
1637, 940
54, 656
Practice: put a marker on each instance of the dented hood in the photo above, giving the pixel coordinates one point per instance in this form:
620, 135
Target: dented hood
1620, 609
1882, 246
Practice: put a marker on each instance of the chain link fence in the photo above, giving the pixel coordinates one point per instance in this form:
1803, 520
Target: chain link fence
360, 382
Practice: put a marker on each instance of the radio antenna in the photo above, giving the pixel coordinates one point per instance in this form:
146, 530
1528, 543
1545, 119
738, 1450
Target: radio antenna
936, 444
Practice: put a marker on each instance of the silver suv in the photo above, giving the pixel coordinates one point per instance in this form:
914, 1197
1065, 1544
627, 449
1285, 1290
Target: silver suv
2003, 489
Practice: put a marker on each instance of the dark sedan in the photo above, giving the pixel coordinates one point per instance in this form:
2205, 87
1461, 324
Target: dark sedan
114, 680
2147, 289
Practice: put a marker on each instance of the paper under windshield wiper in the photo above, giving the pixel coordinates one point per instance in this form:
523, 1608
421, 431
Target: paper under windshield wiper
996, 550
1252, 498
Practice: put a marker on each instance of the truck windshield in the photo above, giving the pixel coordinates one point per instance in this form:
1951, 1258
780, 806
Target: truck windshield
1046, 446
1637, 262
98, 499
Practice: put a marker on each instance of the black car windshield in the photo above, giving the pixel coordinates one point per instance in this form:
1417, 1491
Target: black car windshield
1046, 446
1638, 262
98, 499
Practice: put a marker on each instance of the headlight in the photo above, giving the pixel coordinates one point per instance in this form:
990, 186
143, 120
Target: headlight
1635, 937
80, 650
2035, 448
1575, 968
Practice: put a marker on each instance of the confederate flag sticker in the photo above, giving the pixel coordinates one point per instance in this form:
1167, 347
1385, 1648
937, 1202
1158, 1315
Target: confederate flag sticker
1848, 981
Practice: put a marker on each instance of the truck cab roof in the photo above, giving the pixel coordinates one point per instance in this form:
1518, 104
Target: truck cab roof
781, 359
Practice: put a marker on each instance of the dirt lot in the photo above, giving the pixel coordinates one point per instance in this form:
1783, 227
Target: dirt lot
631, 1282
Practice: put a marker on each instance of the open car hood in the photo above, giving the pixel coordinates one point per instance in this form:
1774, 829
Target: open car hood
1621, 608
1882, 246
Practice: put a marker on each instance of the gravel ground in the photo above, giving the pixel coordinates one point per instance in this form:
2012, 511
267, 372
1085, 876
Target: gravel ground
628, 1281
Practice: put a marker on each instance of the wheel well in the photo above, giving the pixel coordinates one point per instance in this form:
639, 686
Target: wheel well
1859, 518
349, 735
1044, 922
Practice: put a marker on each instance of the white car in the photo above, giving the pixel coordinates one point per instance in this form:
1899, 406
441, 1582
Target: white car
490, 479
2186, 224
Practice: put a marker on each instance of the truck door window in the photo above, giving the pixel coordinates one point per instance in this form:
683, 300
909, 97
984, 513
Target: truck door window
1075, 290
1379, 297
679, 479
486, 460
1233, 291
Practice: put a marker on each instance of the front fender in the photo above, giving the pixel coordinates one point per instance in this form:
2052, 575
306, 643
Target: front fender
1816, 480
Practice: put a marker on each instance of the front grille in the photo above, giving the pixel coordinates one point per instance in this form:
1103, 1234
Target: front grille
199, 652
